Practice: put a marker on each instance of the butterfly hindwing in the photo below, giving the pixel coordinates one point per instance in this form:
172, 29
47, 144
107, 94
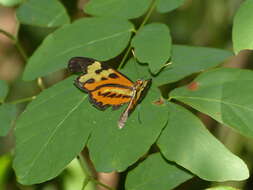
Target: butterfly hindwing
110, 96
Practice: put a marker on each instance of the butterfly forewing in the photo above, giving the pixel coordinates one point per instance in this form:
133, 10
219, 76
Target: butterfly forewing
106, 86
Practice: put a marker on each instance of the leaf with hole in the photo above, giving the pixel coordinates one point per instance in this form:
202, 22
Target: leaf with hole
225, 94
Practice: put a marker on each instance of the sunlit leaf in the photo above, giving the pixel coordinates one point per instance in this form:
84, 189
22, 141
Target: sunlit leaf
152, 45
155, 173
5, 164
117, 8
100, 38
224, 94
243, 27
10, 3
222, 188
7, 116
188, 143
164, 6
47, 13
187, 60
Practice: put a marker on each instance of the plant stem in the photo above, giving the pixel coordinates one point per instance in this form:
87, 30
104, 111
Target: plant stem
84, 165
17, 44
85, 169
23, 100
88, 176
101, 184
85, 182
152, 6
125, 57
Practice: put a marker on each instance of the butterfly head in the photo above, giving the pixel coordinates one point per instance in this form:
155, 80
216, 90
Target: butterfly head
142, 84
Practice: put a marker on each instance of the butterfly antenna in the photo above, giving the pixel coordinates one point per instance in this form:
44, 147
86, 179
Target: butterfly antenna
135, 63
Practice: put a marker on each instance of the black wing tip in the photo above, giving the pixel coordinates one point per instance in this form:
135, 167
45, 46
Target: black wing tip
79, 64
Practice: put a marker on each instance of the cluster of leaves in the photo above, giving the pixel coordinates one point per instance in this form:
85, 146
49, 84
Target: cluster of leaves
60, 122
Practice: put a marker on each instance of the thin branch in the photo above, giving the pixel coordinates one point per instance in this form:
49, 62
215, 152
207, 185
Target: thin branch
152, 6
88, 176
23, 100
101, 184
16, 43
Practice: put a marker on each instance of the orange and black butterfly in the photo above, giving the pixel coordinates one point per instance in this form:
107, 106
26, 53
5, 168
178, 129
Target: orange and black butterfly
108, 87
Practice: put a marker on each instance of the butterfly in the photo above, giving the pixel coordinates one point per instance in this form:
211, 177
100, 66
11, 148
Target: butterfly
108, 87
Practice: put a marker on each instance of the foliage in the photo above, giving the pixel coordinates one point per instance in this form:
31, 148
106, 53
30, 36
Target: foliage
60, 122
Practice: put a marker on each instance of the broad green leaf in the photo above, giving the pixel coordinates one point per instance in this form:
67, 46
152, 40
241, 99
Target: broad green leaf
51, 132
99, 38
3, 90
242, 32
164, 6
222, 188
224, 94
188, 143
47, 13
7, 116
152, 45
10, 3
155, 173
113, 149
187, 60
117, 8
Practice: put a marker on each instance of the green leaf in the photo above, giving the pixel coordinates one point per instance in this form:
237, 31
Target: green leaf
7, 115
117, 8
187, 60
10, 3
47, 13
188, 143
224, 94
153, 45
3, 90
242, 33
155, 173
113, 149
51, 132
100, 38
222, 188
164, 6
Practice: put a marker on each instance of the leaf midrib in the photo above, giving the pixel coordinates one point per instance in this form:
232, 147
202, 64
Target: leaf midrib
58, 126
214, 100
